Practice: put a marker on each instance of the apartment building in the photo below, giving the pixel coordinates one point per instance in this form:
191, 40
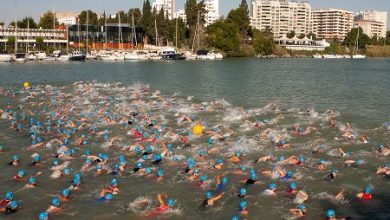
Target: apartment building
212, 14
168, 7
332, 23
371, 21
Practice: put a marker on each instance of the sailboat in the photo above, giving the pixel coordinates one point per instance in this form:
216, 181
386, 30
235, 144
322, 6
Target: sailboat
77, 55
356, 55
134, 54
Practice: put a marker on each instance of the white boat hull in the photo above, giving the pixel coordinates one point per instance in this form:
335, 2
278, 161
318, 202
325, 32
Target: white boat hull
358, 56
5, 58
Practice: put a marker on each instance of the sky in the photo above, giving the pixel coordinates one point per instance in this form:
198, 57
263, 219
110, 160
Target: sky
35, 7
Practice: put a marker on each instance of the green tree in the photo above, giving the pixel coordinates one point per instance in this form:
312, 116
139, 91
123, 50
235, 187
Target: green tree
1, 24
11, 41
194, 10
240, 18
263, 42
39, 42
163, 27
92, 17
223, 35
146, 20
181, 31
350, 39
311, 35
291, 34
136, 12
25, 22
46, 20
387, 38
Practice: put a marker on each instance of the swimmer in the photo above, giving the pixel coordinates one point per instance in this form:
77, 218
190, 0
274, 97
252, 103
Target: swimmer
321, 165
54, 206
36, 161
366, 194
64, 195
382, 150
270, 191
293, 160
331, 215
264, 159
301, 196
12, 207
243, 210
165, 205
354, 163
251, 180
15, 161
236, 158
292, 189
241, 193
333, 173
218, 164
210, 199
300, 211
43, 216
19, 176
9, 196
113, 188
220, 182
384, 170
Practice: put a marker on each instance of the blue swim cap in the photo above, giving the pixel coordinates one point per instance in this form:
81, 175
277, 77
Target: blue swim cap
76, 181
66, 171
243, 168
122, 161
380, 146
243, 204
224, 180
367, 190
283, 142
115, 166
208, 195
170, 202
196, 171
293, 185
32, 180
289, 174
77, 175
203, 178
15, 157
65, 192
238, 154
114, 182
121, 157
333, 170
359, 161
108, 196
272, 186
9, 195
37, 158
43, 215
169, 146
144, 157
88, 161
157, 157
13, 204
330, 213
301, 159
202, 153
175, 159
265, 120
253, 176
138, 165
281, 158
242, 191
322, 161
219, 161
160, 172
55, 201
149, 149
21, 173
148, 170
137, 150
301, 207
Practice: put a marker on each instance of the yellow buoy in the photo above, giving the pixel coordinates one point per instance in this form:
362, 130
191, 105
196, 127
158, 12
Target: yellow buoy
26, 84
197, 129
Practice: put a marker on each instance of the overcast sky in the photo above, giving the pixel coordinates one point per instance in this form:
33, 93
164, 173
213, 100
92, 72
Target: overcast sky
35, 7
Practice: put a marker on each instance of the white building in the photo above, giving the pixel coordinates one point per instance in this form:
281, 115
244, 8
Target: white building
66, 18
181, 14
281, 16
372, 28
168, 7
376, 16
332, 23
212, 14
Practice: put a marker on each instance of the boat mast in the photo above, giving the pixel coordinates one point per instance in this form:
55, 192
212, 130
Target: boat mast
28, 31
54, 23
105, 25
134, 38
67, 39
120, 31
357, 41
155, 26
87, 31
176, 33
16, 30
78, 30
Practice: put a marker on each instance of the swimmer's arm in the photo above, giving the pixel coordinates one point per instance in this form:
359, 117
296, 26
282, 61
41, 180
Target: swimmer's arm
161, 200
216, 198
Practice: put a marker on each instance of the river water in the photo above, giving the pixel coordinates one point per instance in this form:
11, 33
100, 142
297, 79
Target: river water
358, 90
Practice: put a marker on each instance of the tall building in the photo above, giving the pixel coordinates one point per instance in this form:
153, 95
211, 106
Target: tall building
66, 18
212, 14
372, 28
332, 23
181, 14
372, 20
281, 16
168, 7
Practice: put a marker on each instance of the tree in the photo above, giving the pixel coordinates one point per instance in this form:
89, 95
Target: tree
291, 34
46, 21
311, 35
301, 36
162, 26
350, 39
137, 16
181, 31
92, 17
25, 23
244, 5
11, 40
194, 12
146, 20
39, 42
388, 37
223, 35
263, 42
1, 24
240, 18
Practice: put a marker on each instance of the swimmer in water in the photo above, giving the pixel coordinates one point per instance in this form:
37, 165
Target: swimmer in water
264, 159
251, 180
243, 208
382, 150
384, 170
333, 173
292, 189
64, 195
242, 193
15, 161
218, 164
9, 196
301, 196
321, 165
354, 163
299, 211
220, 182
331, 215
271, 190
36, 161
12, 207
19, 176
210, 199
165, 205
113, 188
54, 206
366, 194
236, 158
43, 216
